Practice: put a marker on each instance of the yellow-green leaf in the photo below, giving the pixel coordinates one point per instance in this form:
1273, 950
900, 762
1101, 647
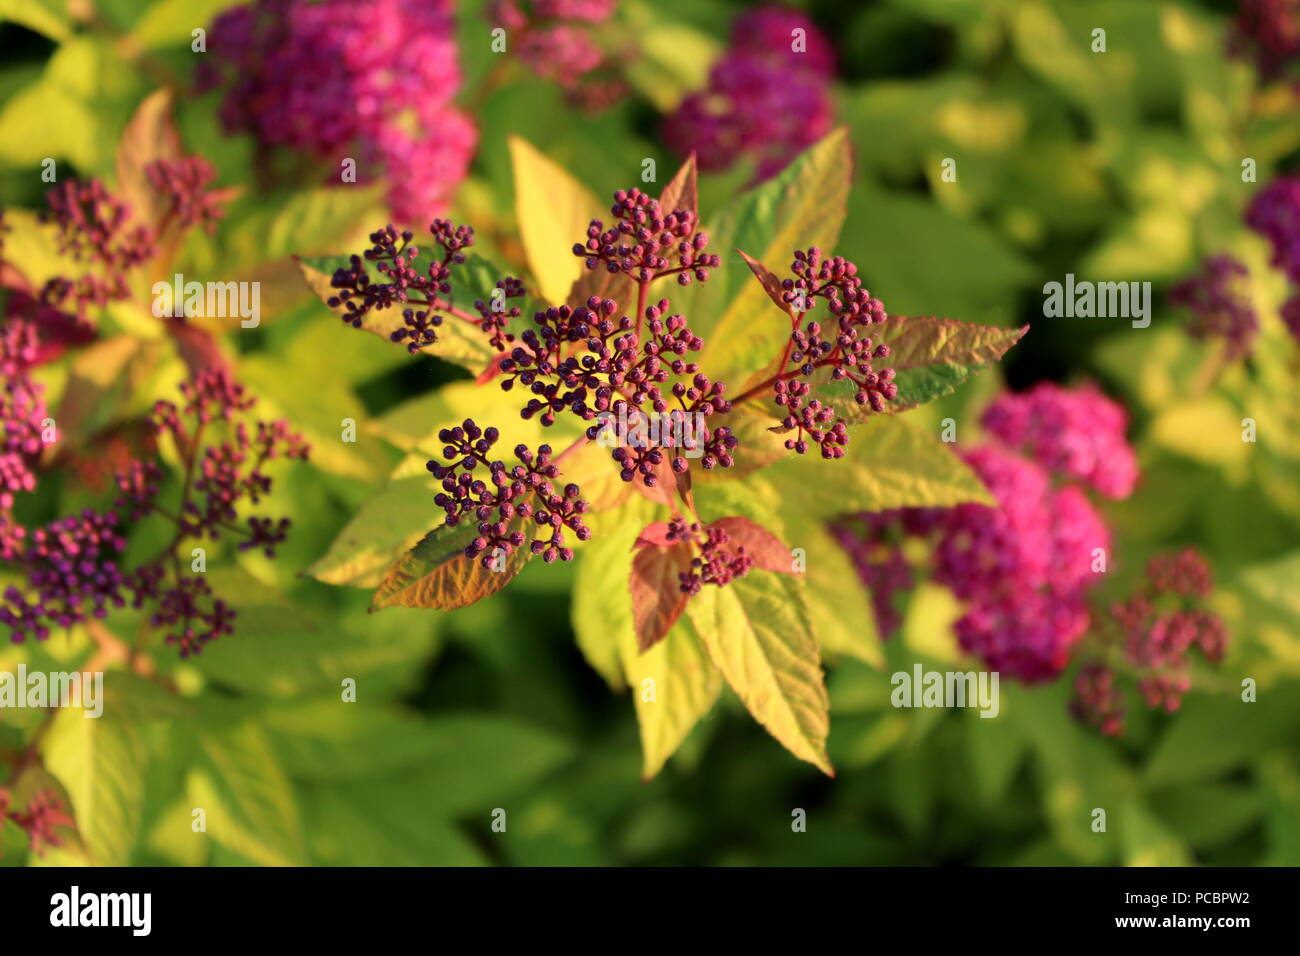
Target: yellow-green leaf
673, 685
553, 210
888, 464
758, 634
101, 764
804, 206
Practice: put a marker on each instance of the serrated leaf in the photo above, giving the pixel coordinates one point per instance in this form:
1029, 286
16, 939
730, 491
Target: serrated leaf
673, 685
600, 610
803, 206
839, 606
101, 764
247, 798
757, 633
437, 574
383, 529
766, 549
931, 358
888, 464
553, 210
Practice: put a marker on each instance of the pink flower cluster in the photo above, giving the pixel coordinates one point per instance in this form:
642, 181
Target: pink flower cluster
1077, 433
767, 97
1267, 31
1025, 567
374, 76
22, 410
556, 40
1275, 214
1158, 627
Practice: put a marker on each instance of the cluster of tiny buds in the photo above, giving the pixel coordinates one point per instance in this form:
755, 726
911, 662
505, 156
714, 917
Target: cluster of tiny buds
1162, 623
508, 498
714, 561
44, 814
1097, 700
394, 259
493, 319
847, 354
184, 182
643, 238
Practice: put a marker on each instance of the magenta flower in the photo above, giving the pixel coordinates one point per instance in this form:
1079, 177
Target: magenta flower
1075, 433
767, 97
367, 79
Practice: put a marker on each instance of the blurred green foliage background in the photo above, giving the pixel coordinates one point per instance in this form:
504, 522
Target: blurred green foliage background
1122, 165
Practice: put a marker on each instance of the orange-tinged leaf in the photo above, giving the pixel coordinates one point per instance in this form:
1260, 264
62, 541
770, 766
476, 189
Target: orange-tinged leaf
763, 546
151, 135
931, 358
682, 191
437, 574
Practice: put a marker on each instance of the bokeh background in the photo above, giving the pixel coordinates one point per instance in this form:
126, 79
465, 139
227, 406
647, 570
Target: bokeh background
1116, 165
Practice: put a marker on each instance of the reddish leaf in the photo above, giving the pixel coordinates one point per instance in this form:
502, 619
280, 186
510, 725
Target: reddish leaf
765, 548
682, 191
769, 281
151, 135
657, 597
654, 535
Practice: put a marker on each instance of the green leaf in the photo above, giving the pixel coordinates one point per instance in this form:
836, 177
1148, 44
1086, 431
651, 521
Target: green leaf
599, 611
1213, 735
385, 528
673, 685
315, 220
672, 58
291, 652
48, 17
382, 823
931, 358
839, 606
803, 206
248, 801
472, 758
758, 634
919, 259
69, 112
170, 23
436, 573
888, 464
553, 210
101, 763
